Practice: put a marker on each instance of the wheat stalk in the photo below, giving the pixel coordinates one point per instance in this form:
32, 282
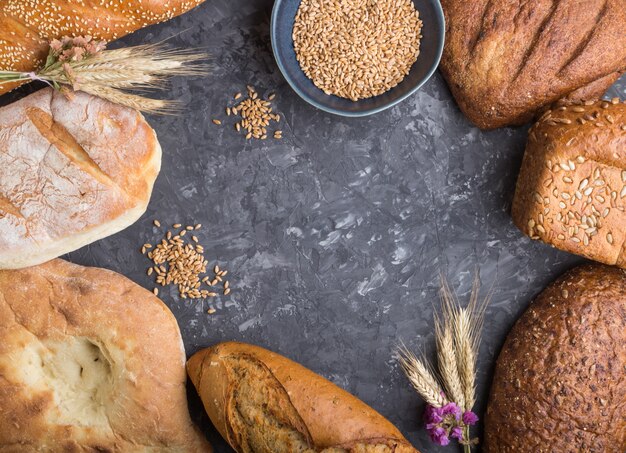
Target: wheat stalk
467, 324
457, 334
111, 73
466, 359
446, 357
109, 76
143, 104
421, 377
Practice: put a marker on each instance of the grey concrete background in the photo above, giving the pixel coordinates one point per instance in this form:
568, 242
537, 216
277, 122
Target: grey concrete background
336, 235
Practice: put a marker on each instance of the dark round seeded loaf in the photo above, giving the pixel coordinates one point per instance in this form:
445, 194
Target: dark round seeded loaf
560, 380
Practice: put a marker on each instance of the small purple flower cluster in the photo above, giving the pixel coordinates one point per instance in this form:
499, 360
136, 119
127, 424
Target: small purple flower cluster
447, 422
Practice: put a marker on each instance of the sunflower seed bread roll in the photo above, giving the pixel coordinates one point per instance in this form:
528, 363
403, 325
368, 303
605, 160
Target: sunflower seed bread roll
504, 60
264, 403
72, 171
90, 362
27, 26
571, 190
560, 380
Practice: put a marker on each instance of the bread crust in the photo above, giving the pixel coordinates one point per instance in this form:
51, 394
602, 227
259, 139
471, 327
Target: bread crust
332, 417
73, 171
505, 60
52, 317
27, 26
571, 190
559, 383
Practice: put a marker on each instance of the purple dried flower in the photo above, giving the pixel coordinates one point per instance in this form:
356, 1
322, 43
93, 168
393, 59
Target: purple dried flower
433, 415
439, 436
457, 433
470, 418
452, 409
448, 422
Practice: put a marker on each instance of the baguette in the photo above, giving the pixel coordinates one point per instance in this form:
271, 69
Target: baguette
506, 60
27, 26
72, 171
262, 402
571, 190
560, 381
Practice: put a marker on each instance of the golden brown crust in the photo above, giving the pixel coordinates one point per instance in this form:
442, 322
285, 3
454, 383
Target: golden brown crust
73, 171
559, 383
26, 26
571, 191
504, 60
251, 418
332, 417
89, 361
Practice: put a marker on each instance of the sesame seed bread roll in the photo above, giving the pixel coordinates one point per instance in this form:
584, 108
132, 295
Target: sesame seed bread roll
571, 190
560, 380
90, 362
72, 171
27, 26
262, 402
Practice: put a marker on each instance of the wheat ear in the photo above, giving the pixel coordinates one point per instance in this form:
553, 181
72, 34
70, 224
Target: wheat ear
421, 377
446, 354
466, 358
467, 325
141, 103
109, 73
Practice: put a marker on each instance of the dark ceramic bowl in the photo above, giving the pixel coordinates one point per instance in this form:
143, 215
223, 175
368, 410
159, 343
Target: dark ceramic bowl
431, 46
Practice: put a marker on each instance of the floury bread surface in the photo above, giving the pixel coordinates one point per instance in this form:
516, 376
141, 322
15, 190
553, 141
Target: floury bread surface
74, 170
89, 362
262, 402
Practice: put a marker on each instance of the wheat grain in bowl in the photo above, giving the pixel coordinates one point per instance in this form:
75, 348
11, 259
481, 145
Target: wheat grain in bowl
356, 49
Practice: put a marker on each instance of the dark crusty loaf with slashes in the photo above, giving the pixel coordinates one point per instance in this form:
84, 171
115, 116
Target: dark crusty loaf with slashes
571, 190
560, 380
504, 60
262, 402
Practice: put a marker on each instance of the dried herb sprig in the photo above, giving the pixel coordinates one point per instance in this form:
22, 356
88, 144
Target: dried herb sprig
82, 63
457, 335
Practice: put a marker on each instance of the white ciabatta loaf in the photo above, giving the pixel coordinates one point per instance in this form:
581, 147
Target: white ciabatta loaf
73, 170
90, 362
571, 191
